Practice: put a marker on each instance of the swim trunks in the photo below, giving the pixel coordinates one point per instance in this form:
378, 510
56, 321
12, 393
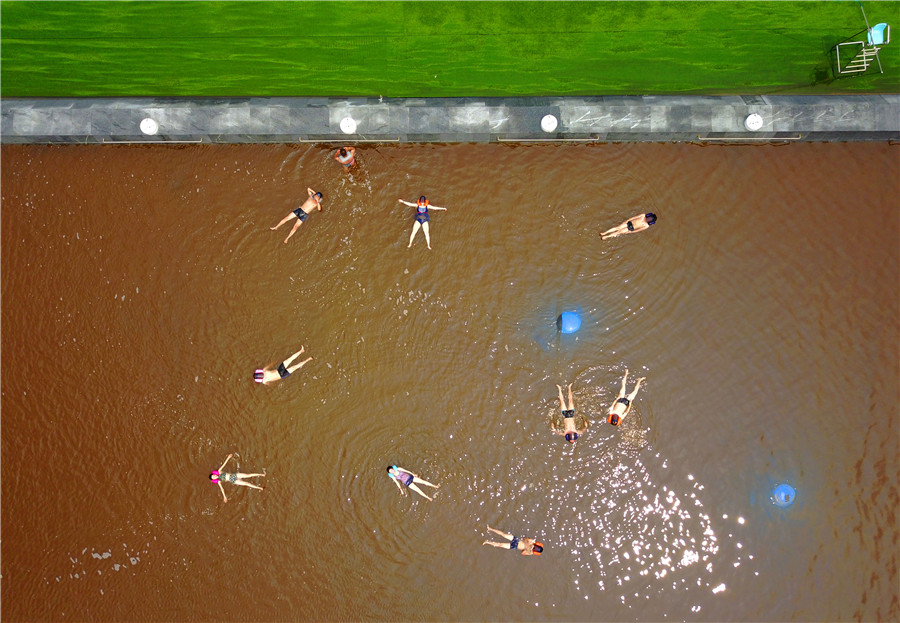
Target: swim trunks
624, 401
301, 214
404, 478
232, 478
568, 413
630, 226
514, 544
282, 371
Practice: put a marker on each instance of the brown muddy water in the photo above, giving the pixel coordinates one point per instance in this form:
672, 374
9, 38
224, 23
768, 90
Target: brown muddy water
141, 286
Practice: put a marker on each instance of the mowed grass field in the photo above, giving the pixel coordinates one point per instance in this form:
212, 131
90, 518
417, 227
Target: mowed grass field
432, 49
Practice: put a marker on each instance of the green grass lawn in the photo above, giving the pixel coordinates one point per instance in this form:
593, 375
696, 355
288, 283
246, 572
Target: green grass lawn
433, 49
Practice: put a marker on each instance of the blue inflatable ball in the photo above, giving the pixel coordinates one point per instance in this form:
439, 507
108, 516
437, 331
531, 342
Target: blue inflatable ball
784, 495
568, 322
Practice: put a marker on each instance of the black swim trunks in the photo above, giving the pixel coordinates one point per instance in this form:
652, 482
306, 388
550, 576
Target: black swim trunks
568, 413
630, 226
624, 401
282, 371
514, 544
301, 214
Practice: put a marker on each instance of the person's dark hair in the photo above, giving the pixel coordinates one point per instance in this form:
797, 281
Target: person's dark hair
538, 549
651, 218
211, 476
422, 198
319, 195
613, 419
343, 151
390, 467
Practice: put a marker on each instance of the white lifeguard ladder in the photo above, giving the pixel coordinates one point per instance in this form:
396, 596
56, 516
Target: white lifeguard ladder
860, 53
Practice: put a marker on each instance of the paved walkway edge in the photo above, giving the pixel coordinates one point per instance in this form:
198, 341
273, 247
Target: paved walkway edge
870, 117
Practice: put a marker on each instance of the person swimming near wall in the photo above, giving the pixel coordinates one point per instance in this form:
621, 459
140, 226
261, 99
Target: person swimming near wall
346, 156
284, 369
236, 478
622, 405
422, 206
632, 225
568, 427
405, 478
302, 213
528, 547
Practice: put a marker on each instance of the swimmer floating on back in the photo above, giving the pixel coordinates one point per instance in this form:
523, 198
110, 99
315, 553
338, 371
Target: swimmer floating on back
409, 480
345, 155
528, 547
632, 225
302, 212
568, 428
218, 477
421, 207
620, 408
285, 369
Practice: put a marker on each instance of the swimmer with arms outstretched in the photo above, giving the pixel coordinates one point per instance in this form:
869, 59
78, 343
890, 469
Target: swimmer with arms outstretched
632, 225
302, 213
568, 428
284, 370
218, 477
620, 408
422, 206
408, 480
528, 547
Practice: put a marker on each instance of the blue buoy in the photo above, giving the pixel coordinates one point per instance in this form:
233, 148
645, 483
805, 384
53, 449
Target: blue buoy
568, 322
783, 496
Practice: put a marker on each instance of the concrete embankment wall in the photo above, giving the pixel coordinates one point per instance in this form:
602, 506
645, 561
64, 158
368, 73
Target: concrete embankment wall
447, 120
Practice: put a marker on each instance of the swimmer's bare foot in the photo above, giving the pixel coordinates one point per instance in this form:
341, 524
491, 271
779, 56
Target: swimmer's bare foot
409, 246
274, 228
485, 542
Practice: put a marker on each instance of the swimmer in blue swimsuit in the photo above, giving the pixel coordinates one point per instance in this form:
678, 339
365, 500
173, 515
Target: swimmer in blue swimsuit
236, 478
422, 206
568, 427
632, 225
284, 369
302, 213
409, 480
622, 405
528, 547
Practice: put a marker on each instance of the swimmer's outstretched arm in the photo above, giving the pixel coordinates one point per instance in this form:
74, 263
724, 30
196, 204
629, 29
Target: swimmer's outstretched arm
412, 205
228, 458
399, 488
435, 208
222, 489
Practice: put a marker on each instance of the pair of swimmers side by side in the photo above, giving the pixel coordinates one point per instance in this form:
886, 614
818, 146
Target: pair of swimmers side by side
620, 408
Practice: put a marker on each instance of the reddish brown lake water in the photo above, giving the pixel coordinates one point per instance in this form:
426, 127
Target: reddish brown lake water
141, 286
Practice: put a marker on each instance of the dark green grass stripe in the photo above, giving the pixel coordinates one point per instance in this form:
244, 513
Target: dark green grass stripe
429, 48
